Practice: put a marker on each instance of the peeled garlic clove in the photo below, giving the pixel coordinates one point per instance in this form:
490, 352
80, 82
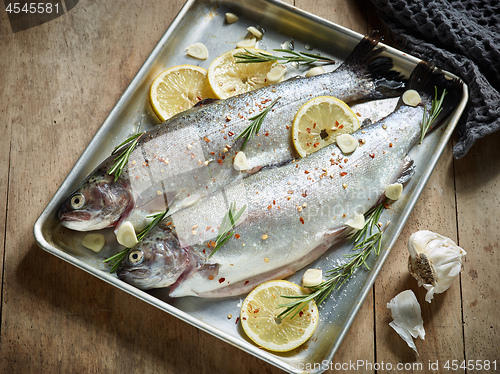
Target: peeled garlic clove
411, 98
347, 143
255, 32
317, 70
312, 277
94, 242
125, 234
240, 161
394, 191
231, 18
407, 317
435, 261
197, 50
276, 73
358, 222
247, 43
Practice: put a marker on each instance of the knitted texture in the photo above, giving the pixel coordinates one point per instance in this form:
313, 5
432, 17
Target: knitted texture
462, 37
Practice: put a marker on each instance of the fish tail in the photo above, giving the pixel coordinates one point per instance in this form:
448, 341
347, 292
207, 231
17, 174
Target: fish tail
430, 82
366, 62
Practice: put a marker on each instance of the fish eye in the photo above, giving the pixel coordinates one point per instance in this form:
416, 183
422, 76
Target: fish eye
136, 257
77, 201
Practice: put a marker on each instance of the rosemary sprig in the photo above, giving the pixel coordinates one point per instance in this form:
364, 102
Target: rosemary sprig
429, 118
254, 126
301, 58
228, 222
122, 159
117, 259
366, 240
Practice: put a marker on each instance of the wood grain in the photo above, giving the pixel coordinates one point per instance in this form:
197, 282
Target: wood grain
58, 85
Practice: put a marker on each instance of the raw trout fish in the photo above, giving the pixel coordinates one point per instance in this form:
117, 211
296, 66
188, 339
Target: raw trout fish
294, 212
191, 154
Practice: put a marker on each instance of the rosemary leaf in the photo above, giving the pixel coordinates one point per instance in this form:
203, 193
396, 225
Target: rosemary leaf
122, 159
117, 259
429, 118
367, 240
302, 58
228, 222
255, 125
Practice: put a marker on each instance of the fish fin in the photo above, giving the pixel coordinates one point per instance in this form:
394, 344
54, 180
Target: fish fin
205, 102
366, 62
426, 79
407, 171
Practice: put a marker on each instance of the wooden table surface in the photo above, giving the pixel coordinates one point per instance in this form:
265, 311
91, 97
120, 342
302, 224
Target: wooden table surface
58, 82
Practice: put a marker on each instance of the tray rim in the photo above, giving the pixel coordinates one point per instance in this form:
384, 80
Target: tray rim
184, 316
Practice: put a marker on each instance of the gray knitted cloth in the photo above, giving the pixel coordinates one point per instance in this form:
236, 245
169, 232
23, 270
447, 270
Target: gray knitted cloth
463, 37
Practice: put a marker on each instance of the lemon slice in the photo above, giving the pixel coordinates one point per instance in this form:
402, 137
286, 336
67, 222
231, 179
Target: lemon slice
259, 317
318, 123
228, 78
177, 89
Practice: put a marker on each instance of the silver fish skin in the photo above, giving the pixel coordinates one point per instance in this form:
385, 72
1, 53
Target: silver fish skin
191, 154
276, 237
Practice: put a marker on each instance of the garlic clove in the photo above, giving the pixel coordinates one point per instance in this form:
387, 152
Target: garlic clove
435, 261
394, 191
317, 70
94, 242
125, 234
407, 317
312, 277
247, 43
358, 222
240, 162
231, 18
411, 98
197, 50
347, 143
255, 32
276, 73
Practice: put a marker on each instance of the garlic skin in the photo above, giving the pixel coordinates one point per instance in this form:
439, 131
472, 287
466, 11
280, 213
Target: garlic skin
407, 317
435, 261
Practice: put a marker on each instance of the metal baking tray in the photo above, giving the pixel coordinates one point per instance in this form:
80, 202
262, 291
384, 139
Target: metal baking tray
203, 21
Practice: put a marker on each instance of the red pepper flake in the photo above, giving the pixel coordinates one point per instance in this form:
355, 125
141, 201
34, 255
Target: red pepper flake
301, 313
386, 206
256, 310
372, 155
302, 220
266, 134
237, 319
390, 145
336, 123
274, 202
296, 166
341, 126
304, 194
221, 280
269, 207
314, 125
246, 282
220, 161
230, 133
343, 215
211, 277
212, 153
206, 139
204, 251
208, 228
244, 318
225, 137
237, 236
308, 130
305, 171
212, 243
288, 127
343, 174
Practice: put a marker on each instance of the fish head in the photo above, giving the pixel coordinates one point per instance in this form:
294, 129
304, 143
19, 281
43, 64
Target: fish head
99, 202
157, 261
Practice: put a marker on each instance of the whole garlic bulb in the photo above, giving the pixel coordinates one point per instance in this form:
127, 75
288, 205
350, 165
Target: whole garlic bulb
435, 261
